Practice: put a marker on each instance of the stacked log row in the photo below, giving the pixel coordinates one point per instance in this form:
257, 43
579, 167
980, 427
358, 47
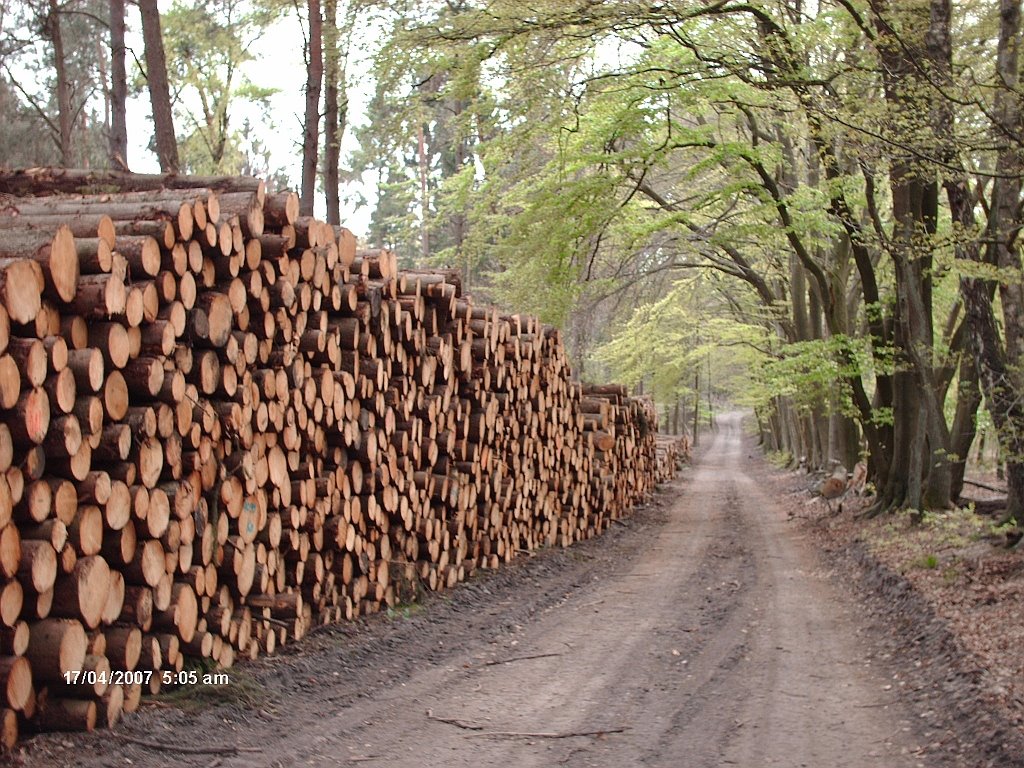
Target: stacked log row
222, 424
672, 451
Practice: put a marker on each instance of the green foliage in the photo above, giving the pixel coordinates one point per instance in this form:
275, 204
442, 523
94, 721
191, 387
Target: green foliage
667, 343
703, 188
810, 373
207, 45
780, 459
404, 611
929, 562
429, 112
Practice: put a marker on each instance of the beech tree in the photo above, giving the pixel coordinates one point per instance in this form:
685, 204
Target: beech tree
798, 149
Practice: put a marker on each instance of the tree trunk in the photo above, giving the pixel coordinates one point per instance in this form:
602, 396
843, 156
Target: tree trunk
335, 111
843, 439
311, 130
118, 143
998, 366
65, 110
965, 423
914, 212
775, 430
696, 408
424, 199
1004, 224
159, 89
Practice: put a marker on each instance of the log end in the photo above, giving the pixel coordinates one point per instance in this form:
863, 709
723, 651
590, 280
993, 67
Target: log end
64, 266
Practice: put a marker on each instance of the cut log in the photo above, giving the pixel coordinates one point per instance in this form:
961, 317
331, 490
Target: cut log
138, 607
62, 389
54, 250
87, 367
112, 341
12, 600
110, 707
89, 412
85, 531
10, 550
38, 565
148, 565
211, 318
83, 593
66, 715
30, 417
64, 437
8, 729
124, 644
21, 288
14, 639
43, 181
31, 358
114, 602
57, 646
115, 396
82, 226
100, 296
10, 382
16, 681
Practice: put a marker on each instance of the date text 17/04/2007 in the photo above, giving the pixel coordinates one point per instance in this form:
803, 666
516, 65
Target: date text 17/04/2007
145, 676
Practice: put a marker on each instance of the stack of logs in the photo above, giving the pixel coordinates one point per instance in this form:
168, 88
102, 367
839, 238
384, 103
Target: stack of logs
672, 452
221, 424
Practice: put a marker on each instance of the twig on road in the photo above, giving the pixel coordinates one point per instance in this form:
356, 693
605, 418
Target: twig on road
186, 750
520, 658
482, 731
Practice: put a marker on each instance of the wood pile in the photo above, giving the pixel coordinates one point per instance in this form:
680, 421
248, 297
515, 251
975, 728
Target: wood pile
222, 424
672, 451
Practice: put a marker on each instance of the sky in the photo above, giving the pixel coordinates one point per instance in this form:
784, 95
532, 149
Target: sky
281, 67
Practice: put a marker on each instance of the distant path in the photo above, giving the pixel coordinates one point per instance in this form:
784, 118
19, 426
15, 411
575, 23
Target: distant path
707, 637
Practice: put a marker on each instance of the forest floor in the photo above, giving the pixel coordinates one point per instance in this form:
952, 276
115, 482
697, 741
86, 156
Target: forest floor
728, 622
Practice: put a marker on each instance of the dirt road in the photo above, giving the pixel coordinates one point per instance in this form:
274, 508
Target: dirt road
701, 633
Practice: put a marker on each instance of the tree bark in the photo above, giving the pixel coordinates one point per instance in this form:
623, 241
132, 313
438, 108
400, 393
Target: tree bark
118, 143
335, 111
424, 199
999, 365
65, 110
965, 423
995, 362
159, 89
311, 129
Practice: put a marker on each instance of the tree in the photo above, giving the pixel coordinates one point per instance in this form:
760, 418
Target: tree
54, 77
65, 109
210, 43
431, 109
999, 363
335, 102
159, 89
118, 88
311, 122
737, 124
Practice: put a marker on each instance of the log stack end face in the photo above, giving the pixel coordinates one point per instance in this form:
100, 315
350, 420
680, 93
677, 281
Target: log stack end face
222, 423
